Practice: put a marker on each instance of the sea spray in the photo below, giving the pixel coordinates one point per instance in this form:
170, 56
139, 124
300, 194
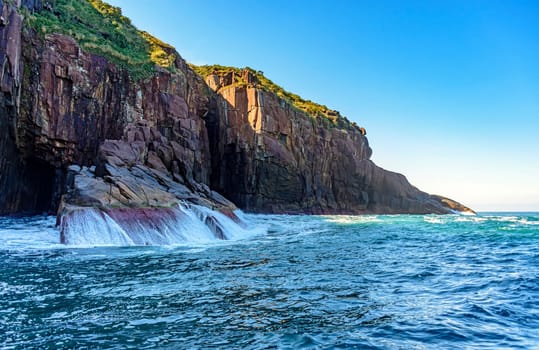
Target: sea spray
92, 227
186, 223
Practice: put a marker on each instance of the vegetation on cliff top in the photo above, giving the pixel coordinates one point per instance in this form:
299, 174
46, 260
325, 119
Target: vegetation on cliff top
323, 113
102, 29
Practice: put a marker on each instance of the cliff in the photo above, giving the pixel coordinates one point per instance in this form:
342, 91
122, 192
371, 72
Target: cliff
277, 153
89, 122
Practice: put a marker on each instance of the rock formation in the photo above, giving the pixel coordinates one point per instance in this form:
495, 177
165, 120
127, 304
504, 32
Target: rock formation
270, 156
77, 131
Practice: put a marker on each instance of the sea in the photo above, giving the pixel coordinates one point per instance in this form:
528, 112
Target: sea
282, 282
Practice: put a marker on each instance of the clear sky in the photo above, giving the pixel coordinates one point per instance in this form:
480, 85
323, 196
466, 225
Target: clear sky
447, 90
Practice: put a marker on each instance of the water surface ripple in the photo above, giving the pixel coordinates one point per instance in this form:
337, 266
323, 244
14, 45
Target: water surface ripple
380, 282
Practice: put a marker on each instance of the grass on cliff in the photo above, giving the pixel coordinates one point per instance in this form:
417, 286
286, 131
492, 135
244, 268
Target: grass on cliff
327, 116
102, 29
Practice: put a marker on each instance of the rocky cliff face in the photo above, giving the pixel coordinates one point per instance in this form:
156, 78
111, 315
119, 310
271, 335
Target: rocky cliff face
26, 183
272, 157
68, 102
74, 124
72, 101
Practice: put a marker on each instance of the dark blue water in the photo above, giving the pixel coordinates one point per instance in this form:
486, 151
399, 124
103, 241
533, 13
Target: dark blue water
381, 282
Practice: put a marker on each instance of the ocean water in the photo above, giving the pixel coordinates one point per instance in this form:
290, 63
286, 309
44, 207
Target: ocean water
296, 282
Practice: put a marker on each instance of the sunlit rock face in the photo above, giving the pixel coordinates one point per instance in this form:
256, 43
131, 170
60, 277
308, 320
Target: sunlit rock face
77, 131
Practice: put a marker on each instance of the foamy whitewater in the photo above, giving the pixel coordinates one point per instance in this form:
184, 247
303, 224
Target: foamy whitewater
382, 282
186, 224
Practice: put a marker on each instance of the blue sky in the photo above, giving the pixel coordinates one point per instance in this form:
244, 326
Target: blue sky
447, 90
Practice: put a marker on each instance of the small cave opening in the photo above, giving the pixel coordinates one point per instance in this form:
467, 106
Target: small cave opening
43, 187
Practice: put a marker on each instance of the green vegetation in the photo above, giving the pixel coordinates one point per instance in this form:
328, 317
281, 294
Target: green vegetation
102, 29
327, 116
161, 53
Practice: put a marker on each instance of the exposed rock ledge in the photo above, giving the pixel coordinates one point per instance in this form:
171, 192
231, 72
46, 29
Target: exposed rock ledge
133, 187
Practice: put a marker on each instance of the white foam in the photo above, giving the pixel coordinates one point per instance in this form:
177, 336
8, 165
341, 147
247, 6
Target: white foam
434, 220
187, 225
231, 229
32, 233
91, 227
350, 219
471, 219
526, 222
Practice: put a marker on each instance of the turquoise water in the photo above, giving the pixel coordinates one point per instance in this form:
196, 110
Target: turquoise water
380, 282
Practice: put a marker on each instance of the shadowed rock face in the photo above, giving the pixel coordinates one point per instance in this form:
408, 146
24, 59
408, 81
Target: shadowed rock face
73, 101
59, 104
168, 138
27, 183
272, 157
